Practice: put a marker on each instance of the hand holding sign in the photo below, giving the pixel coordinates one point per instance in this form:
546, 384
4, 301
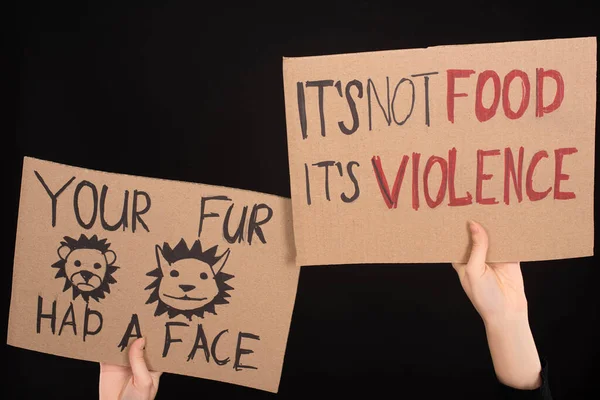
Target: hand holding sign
496, 290
129, 383
498, 294
502, 132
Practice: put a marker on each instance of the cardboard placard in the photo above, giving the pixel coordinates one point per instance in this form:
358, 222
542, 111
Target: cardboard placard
206, 274
392, 152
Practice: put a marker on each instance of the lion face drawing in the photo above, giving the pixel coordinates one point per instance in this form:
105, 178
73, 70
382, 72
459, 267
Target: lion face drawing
189, 281
87, 266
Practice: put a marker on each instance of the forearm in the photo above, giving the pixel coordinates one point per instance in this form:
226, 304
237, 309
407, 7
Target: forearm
514, 354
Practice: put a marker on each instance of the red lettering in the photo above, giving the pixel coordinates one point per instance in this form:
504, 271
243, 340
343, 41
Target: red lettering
531, 193
540, 109
509, 172
515, 180
483, 114
452, 74
525, 92
391, 199
559, 176
415, 180
454, 201
443, 183
483, 177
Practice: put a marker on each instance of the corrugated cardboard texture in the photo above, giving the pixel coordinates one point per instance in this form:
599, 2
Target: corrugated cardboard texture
371, 135
221, 315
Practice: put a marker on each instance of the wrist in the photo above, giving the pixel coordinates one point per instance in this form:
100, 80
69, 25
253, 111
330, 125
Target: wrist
506, 322
514, 354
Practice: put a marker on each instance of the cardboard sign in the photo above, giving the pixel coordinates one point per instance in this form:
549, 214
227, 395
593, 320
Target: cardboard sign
206, 274
392, 152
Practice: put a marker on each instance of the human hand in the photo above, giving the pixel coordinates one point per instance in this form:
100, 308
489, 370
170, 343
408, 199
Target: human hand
498, 294
129, 383
496, 290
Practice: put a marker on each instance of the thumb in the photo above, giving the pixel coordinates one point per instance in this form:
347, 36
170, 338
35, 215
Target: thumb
479, 247
141, 376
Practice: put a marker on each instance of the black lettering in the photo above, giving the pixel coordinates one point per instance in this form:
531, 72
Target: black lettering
86, 322
238, 366
345, 198
338, 86
209, 215
302, 108
78, 189
122, 221
239, 233
51, 316
321, 85
135, 213
200, 336
307, 184
213, 349
352, 106
71, 322
387, 116
133, 324
426, 79
53, 196
326, 164
254, 225
339, 167
412, 104
168, 339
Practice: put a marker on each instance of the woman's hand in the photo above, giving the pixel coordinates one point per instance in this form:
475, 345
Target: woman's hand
129, 383
496, 290
498, 294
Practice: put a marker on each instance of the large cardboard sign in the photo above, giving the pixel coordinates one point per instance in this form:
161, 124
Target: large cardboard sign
392, 152
206, 274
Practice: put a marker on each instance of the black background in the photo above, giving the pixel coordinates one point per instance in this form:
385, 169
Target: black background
193, 91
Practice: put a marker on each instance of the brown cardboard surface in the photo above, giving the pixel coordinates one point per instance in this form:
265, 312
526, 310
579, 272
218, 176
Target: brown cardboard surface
233, 325
357, 124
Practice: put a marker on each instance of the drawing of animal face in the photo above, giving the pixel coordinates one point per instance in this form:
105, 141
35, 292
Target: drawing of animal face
187, 284
188, 281
87, 266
